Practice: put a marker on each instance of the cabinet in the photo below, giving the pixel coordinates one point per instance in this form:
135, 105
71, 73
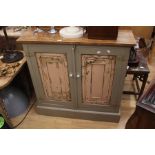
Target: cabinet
78, 78
78, 81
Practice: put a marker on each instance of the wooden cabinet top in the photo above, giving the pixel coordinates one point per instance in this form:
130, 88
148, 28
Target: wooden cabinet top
125, 38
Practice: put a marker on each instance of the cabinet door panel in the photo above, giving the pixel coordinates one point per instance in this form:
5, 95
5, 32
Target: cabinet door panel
54, 73
97, 78
100, 76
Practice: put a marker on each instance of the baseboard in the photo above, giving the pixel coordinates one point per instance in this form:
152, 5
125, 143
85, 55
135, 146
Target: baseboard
82, 114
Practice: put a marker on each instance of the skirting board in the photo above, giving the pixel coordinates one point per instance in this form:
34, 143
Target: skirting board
83, 114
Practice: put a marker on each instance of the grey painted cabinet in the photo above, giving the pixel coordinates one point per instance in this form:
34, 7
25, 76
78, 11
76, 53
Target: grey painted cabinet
78, 81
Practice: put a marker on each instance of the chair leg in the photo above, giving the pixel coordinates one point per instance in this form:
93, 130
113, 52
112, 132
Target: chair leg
134, 77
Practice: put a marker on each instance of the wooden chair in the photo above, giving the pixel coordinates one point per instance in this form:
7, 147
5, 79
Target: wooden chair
140, 75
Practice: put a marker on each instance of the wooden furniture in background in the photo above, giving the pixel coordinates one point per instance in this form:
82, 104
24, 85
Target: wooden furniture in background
144, 115
13, 36
12, 72
7, 80
102, 32
78, 78
153, 33
18, 77
140, 74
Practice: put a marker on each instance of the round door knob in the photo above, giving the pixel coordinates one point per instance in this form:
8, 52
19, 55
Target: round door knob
108, 51
78, 75
98, 52
70, 75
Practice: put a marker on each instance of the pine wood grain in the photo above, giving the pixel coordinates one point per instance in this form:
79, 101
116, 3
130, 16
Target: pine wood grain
125, 38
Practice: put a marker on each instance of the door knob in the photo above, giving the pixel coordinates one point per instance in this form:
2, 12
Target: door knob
108, 51
70, 75
78, 75
98, 52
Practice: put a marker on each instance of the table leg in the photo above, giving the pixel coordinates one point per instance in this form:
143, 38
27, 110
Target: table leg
143, 84
134, 77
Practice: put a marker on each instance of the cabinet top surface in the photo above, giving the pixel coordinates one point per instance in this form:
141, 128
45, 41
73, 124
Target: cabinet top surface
125, 38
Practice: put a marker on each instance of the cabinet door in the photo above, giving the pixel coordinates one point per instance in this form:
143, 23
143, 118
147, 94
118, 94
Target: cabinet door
54, 73
98, 69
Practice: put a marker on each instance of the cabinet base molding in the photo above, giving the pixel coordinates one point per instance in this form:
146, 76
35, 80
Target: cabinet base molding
71, 113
